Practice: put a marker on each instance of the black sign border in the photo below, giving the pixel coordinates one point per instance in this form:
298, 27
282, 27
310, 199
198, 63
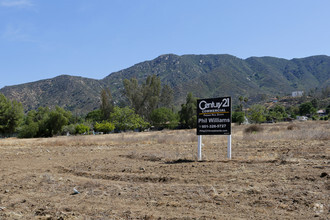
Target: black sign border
209, 100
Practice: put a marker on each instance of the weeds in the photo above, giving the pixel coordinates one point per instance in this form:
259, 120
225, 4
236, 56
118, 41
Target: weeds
293, 127
253, 129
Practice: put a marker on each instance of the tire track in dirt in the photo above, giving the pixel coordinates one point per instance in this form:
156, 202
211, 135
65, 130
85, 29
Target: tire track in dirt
125, 178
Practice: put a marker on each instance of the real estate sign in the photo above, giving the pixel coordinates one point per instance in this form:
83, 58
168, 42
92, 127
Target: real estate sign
214, 116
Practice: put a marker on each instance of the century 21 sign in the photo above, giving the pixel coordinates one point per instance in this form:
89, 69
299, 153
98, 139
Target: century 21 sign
214, 116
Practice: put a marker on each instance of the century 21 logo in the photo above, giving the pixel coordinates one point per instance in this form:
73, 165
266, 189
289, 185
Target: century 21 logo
206, 105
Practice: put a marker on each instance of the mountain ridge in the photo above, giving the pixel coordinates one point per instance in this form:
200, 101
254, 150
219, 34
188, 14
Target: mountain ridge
210, 75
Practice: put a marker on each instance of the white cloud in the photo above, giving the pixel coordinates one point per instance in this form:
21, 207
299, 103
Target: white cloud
16, 3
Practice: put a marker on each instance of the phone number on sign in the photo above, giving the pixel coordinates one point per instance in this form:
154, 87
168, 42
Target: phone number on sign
213, 126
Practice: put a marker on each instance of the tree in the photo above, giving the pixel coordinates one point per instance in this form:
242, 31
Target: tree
257, 113
94, 116
306, 109
277, 113
166, 97
148, 96
327, 110
188, 112
44, 123
126, 119
56, 120
293, 111
133, 93
42, 117
240, 108
246, 99
315, 103
106, 104
241, 100
151, 95
30, 127
11, 114
164, 118
238, 117
28, 130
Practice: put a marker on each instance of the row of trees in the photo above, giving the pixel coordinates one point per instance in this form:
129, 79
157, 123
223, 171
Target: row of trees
259, 113
149, 104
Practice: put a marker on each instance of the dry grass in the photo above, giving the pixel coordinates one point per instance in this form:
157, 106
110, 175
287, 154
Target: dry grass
292, 131
263, 132
163, 137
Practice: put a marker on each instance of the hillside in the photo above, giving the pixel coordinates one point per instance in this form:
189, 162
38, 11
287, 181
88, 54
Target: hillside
77, 94
204, 75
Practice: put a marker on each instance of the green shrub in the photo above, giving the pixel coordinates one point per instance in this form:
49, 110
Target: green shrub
71, 129
81, 129
238, 117
104, 127
164, 118
126, 119
314, 118
28, 131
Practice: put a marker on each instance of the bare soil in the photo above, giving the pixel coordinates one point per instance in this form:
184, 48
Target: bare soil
277, 173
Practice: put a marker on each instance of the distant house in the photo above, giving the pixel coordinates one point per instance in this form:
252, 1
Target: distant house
321, 112
297, 93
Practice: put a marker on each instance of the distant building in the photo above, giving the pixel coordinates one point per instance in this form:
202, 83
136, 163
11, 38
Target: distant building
321, 112
297, 93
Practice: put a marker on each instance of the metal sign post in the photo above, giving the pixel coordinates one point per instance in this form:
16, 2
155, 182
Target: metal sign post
214, 118
199, 153
229, 147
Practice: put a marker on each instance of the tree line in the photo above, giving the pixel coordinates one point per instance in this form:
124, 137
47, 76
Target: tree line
148, 104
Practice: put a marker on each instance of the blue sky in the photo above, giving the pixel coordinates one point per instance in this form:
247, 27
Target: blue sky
42, 39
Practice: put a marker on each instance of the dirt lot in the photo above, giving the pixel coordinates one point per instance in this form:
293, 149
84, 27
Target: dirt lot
281, 172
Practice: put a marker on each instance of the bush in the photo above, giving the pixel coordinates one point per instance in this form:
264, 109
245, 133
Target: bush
324, 118
104, 127
28, 131
71, 129
253, 129
293, 127
164, 118
238, 117
257, 113
81, 129
126, 119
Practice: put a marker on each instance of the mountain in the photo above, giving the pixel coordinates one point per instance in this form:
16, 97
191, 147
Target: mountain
76, 94
203, 75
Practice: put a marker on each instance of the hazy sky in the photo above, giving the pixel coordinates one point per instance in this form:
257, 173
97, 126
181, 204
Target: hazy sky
42, 39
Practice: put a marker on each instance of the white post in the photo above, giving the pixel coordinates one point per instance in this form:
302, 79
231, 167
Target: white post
199, 153
229, 147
